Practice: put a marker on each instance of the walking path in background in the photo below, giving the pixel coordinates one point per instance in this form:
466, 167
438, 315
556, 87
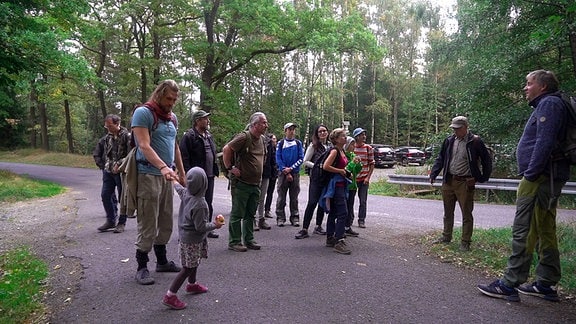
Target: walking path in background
387, 279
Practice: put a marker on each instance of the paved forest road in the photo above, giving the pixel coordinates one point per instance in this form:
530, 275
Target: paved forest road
386, 279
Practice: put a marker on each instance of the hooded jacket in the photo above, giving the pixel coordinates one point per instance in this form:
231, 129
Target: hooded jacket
193, 223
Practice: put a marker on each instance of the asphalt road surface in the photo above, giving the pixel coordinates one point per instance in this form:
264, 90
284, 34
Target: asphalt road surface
386, 279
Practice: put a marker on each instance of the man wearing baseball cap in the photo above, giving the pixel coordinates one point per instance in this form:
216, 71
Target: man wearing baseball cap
198, 149
459, 159
289, 157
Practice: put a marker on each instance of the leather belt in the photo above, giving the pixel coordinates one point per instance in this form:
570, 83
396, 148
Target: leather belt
459, 178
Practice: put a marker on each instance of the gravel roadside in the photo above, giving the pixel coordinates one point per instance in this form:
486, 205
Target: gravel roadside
42, 224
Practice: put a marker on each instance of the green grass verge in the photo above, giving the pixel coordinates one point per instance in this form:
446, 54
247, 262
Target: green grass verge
22, 277
491, 248
37, 156
14, 187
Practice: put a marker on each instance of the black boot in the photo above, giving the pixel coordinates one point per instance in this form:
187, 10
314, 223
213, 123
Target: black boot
162, 264
160, 251
331, 241
143, 275
142, 259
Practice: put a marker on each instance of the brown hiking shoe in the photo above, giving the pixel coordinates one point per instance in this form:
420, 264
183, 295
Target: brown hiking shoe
263, 225
342, 248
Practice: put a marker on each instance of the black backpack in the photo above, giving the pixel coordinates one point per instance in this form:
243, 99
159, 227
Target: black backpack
318, 174
567, 146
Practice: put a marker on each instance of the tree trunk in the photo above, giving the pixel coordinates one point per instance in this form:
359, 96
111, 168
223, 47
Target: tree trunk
99, 71
68, 126
44, 126
32, 114
210, 65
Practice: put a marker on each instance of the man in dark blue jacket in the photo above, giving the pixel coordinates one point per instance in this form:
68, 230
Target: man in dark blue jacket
542, 180
459, 158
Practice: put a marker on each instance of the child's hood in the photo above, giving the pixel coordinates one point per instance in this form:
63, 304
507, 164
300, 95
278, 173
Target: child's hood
197, 182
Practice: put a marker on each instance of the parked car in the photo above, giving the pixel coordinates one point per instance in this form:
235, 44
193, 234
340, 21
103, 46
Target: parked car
431, 151
384, 156
408, 154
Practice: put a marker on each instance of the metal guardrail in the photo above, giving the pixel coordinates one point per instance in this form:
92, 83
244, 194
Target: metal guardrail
492, 184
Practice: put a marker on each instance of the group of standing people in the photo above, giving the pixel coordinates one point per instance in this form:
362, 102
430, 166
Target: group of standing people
251, 158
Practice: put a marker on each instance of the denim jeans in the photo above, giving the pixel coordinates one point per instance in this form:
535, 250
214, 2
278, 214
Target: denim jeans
209, 196
314, 193
336, 223
362, 197
269, 195
110, 182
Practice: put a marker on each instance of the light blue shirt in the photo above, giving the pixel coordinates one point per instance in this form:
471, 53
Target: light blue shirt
162, 139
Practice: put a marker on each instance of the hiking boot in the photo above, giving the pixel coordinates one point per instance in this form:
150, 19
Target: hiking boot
351, 232
498, 289
535, 289
238, 248
143, 277
119, 228
441, 240
195, 288
173, 302
253, 246
302, 234
465, 246
106, 226
168, 267
294, 221
213, 234
361, 224
319, 230
330, 241
280, 223
263, 225
341, 247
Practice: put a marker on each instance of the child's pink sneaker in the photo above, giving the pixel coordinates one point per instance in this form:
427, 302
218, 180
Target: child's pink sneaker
195, 288
173, 302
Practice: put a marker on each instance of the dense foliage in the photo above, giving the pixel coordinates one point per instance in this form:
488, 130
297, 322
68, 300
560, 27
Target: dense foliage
394, 68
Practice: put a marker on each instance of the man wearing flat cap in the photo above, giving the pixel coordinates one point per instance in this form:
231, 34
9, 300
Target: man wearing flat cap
460, 158
289, 158
199, 150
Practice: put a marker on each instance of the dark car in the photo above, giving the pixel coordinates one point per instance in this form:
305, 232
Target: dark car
407, 155
384, 156
431, 151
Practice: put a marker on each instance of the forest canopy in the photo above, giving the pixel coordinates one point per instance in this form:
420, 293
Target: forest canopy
392, 67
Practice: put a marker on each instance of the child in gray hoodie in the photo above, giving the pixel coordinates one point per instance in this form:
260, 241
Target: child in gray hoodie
193, 227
